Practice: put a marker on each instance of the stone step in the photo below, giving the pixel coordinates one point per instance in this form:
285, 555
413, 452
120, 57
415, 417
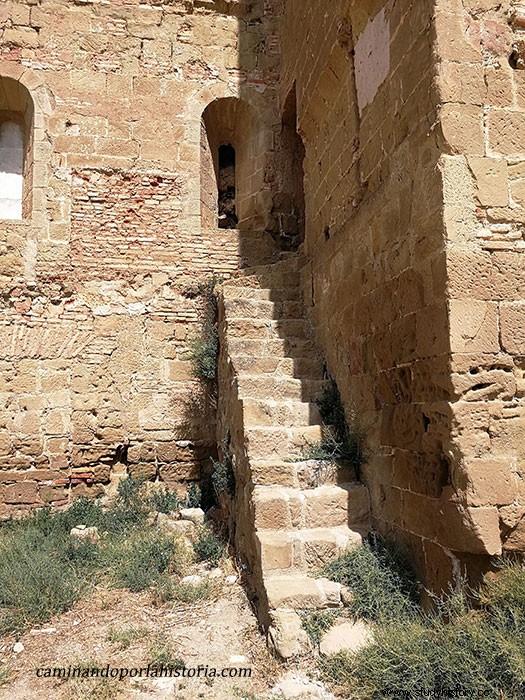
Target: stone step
273, 413
249, 328
280, 274
305, 550
255, 308
298, 591
275, 441
329, 505
277, 347
301, 474
302, 367
276, 294
261, 387
288, 265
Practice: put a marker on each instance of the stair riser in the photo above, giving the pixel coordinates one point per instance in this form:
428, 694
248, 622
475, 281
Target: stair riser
280, 367
281, 414
278, 509
278, 348
300, 475
277, 442
260, 388
300, 553
283, 294
267, 330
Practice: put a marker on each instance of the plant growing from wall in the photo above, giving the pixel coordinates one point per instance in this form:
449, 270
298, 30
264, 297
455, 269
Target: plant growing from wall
341, 440
204, 349
223, 477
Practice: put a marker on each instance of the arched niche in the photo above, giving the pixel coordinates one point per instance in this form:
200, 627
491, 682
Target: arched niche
231, 135
287, 217
16, 149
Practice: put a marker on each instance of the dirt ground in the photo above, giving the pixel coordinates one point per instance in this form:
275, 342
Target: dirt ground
218, 632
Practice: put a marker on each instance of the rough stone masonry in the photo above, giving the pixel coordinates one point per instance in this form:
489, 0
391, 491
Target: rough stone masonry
388, 137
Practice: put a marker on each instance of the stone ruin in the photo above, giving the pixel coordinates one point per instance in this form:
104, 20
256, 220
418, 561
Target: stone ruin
354, 172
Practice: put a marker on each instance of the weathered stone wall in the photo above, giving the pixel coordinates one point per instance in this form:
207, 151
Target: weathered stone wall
413, 276
99, 281
482, 84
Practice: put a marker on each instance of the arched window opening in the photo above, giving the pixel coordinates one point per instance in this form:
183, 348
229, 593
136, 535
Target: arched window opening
226, 187
11, 170
234, 193
16, 149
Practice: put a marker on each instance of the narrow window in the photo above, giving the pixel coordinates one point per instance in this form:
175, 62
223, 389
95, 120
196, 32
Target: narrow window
11, 170
226, 187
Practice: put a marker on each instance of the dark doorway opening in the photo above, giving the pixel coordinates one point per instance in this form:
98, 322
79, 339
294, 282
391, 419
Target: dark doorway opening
226, 187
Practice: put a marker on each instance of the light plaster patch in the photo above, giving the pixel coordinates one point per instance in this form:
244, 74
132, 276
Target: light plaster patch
372, 59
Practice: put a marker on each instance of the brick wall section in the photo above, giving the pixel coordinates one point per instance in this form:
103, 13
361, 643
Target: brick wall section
98, 287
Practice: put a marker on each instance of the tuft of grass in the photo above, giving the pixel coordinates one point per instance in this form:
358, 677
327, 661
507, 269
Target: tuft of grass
162, 653
168, 590
88, 688
123, 637
381, 580
454, 648
317, 623
43, 571
36, 578
204, 349
208, 546
139, 561
4, 676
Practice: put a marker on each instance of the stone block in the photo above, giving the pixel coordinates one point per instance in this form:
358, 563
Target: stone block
512, 320
286, 634
473, 326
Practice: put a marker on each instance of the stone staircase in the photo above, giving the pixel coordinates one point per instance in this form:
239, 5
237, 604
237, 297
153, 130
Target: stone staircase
292, 516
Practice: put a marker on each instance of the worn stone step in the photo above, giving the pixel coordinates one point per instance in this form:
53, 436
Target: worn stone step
275, 294
274, 413
326, 506
301, 474
264, 441
264, 309
298, 591
267, 328
277, 347
300, 368
262, 387
305, 550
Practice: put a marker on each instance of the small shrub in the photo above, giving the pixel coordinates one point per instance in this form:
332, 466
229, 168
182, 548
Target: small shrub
161, 653
204, 350
140, 562
380, 579
208, 546
36, 580
194, 497
340, 441
223, 476
130, 508
165, 500
317, 623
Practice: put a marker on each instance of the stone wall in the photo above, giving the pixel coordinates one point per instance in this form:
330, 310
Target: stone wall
100, 280
413, 271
